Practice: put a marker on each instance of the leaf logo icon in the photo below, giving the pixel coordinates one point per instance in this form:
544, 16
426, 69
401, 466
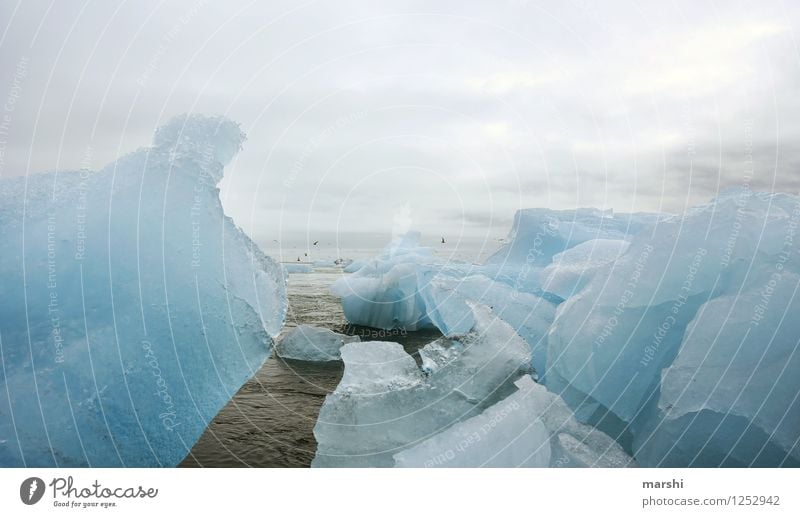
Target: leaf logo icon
31, 490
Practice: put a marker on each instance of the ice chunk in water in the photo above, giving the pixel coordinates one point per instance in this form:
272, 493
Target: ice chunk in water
132, 307
387, 292
309, 343
385, 403
490, 357
448, 298
374, 367
530, 428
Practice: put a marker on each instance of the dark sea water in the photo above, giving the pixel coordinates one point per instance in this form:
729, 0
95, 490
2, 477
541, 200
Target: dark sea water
270, 420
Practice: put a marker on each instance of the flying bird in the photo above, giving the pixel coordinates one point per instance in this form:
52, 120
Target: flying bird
443, 240
316, 242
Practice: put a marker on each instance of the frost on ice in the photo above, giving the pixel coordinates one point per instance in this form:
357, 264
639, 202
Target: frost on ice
132, 307
309, 343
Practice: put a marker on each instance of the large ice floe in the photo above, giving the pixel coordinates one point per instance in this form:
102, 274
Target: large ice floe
132, 307
682, 347
387, 411
673, 335
530, 428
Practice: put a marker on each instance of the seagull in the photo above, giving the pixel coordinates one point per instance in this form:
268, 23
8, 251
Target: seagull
443, 240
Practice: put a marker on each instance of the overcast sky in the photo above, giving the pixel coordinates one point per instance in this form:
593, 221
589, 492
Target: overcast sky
444, 116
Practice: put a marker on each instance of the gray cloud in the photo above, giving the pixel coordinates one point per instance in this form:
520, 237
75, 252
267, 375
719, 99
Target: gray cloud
449, 115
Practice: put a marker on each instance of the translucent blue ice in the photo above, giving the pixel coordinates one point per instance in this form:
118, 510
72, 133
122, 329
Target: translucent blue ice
132, 307
675, 335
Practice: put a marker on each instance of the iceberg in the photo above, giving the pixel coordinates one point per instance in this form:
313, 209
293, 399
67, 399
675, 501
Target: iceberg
385, 292
671, 335
132, 307
375, 367
678, 348
309, 343
386, 403
408, 287
730, 397
539, 234
530, 428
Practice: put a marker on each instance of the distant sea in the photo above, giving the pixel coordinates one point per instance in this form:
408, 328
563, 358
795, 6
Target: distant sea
473, 251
